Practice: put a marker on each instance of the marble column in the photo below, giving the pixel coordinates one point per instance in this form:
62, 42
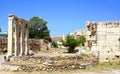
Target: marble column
26, 41
16, 38
10, 36
22, 40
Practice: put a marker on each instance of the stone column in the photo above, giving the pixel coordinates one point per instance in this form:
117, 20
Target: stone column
16, 38
10, 36
22, 40
26, 41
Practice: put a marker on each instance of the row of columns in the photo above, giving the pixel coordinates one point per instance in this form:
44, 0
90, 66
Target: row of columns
21, 28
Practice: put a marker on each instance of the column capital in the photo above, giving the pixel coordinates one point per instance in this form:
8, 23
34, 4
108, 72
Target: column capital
10, 15
10, 18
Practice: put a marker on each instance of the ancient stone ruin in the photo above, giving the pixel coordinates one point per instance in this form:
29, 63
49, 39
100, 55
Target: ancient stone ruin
104, 38
18, 36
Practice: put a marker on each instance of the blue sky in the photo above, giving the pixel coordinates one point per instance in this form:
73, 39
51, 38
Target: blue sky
63, 16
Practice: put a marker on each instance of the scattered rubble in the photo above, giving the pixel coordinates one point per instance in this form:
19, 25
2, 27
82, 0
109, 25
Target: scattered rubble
44, 63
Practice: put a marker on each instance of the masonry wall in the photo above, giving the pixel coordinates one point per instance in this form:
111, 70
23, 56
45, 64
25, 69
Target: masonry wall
106, 39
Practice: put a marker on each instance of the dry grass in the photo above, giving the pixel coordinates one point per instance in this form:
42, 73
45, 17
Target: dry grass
96, 70
54, 72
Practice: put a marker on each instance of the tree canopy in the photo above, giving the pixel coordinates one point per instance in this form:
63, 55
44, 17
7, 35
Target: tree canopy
38, 28
81, 40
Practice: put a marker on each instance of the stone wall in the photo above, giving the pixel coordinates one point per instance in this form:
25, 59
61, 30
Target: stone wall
35, 45
38, 45
104, 38
3, 44
78, 33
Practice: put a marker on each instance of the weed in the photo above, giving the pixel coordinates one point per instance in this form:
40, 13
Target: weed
84, 55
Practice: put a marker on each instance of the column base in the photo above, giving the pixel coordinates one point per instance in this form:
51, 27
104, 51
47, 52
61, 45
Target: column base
22, 54
7, 57
27, 54
16, 54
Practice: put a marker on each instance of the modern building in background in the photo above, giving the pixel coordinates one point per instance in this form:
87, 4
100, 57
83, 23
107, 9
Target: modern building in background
5, 34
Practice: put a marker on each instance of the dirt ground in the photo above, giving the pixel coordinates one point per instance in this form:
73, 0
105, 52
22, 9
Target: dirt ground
67, 72
111, 71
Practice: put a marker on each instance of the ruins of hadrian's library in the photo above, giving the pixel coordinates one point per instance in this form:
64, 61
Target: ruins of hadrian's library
18, 36
104, 38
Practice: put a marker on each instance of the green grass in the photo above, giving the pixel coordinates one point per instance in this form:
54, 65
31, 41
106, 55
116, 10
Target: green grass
84, 55
16, 70
104, 66
65, 58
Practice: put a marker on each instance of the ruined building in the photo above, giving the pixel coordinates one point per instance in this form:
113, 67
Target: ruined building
104, 38
21, 35
78, 33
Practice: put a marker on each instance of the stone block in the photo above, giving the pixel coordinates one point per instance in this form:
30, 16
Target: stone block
88, 32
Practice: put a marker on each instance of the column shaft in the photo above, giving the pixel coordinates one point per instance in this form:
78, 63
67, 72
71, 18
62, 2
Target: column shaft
10, 36
22, 40
16, 39
26, 41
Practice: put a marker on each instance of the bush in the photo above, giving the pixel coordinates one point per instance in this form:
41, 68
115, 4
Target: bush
54, 44
81, 40
71, 42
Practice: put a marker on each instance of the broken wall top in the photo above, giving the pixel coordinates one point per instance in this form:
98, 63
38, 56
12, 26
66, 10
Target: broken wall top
103, 24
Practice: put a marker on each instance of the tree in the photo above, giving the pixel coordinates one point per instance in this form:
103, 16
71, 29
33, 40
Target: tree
82, 40
38, 29
0, 30
71, 42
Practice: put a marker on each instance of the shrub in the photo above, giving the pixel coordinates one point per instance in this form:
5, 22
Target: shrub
71, 42
54, 44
